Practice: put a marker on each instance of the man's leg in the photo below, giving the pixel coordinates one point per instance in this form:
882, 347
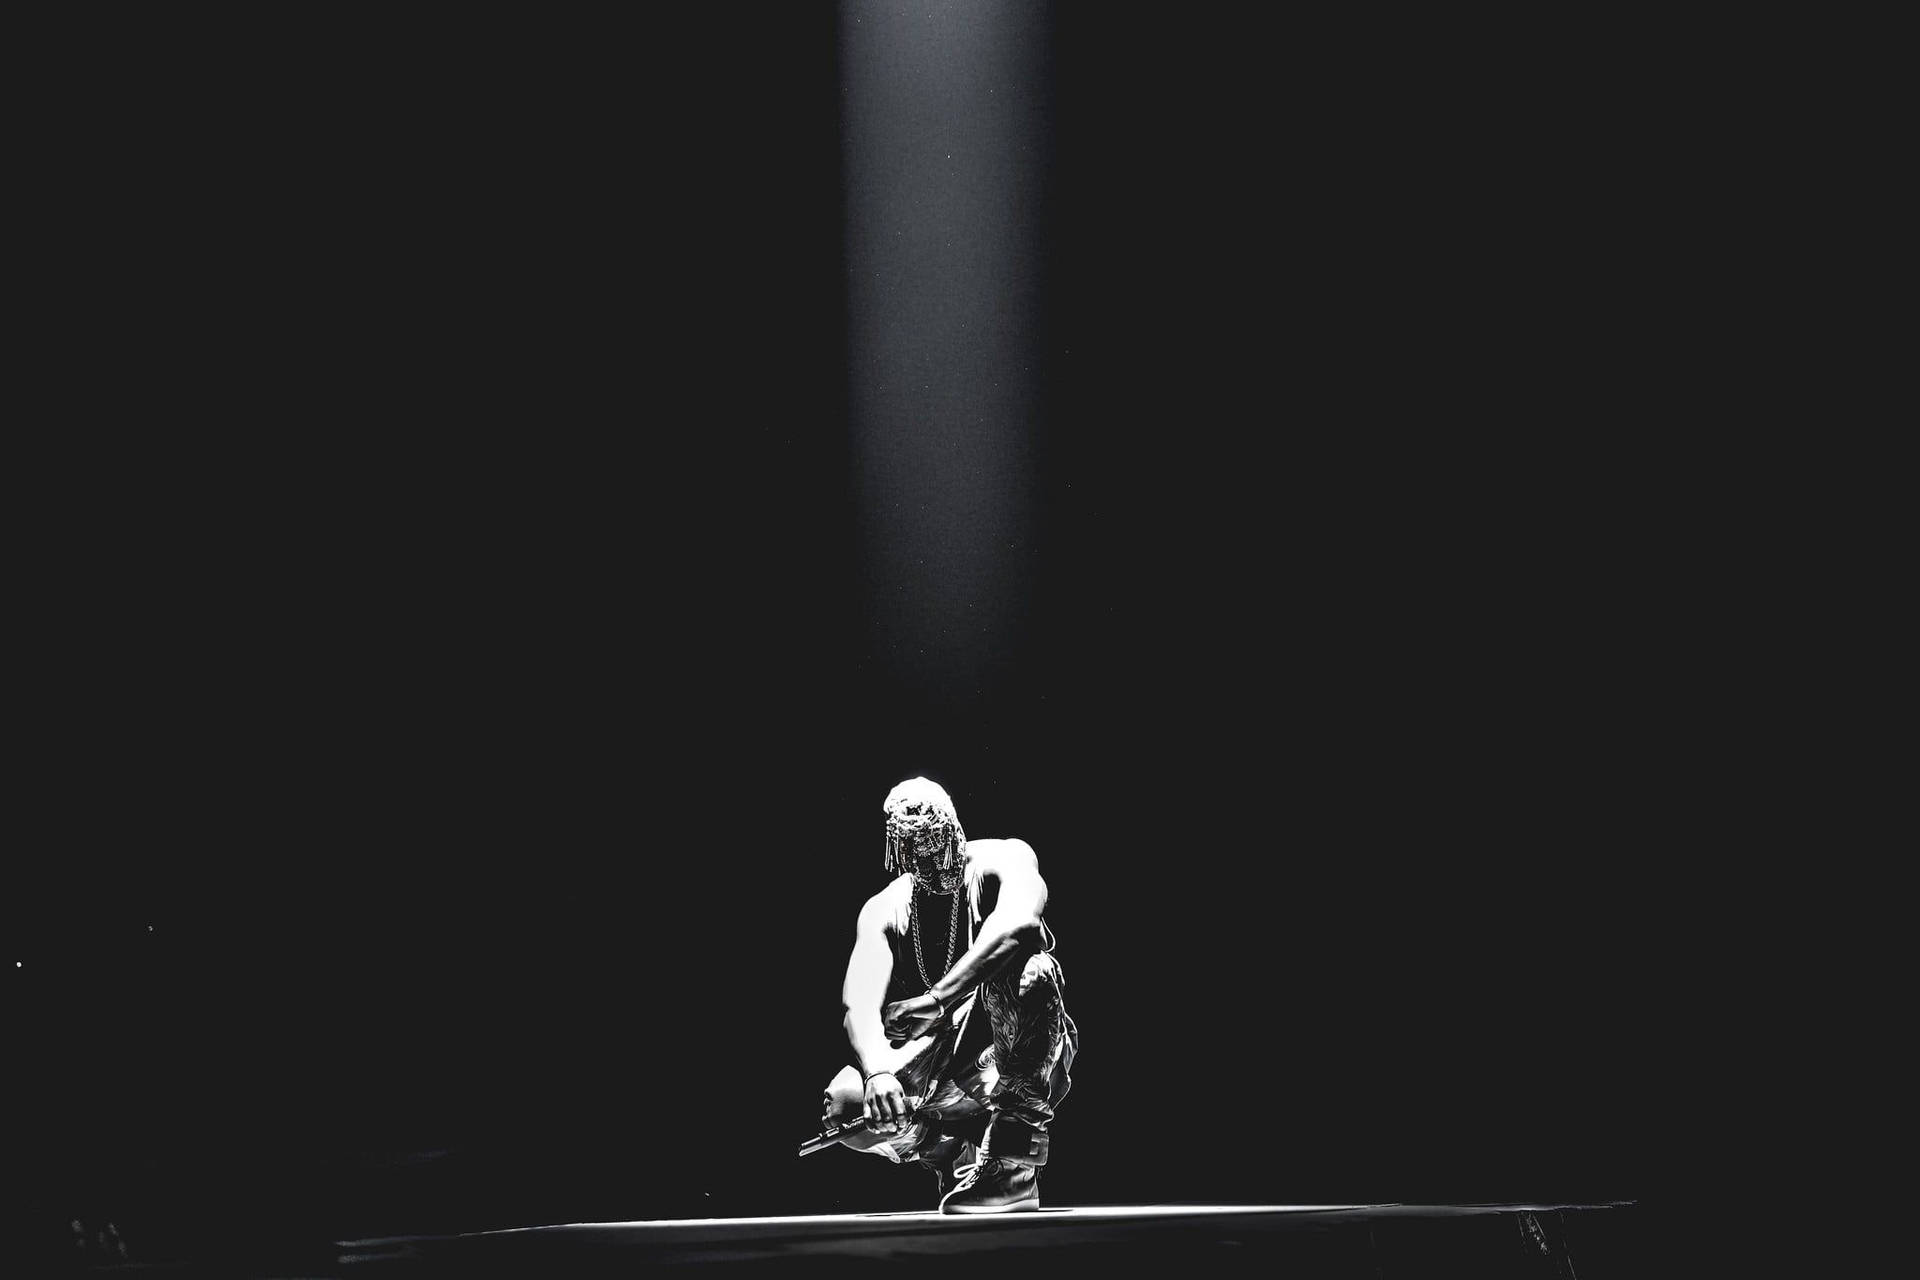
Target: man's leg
945, 1109
1034, 1043
1033, 1047
953, 1114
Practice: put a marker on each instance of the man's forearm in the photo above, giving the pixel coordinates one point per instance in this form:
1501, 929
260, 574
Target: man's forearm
871, 1052
1002, 939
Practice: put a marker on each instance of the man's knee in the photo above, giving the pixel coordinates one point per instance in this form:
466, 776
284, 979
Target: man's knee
845, 1097
1028, 1012
1036, 984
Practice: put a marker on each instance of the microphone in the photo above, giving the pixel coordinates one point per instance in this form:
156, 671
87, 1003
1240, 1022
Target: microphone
829, 1136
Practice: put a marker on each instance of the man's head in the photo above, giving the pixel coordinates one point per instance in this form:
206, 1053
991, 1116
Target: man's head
924, 835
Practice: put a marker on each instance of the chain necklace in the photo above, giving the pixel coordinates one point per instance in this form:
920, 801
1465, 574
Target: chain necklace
953, 936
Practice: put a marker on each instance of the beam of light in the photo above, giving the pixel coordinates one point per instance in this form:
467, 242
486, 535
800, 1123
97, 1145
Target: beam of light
945, 148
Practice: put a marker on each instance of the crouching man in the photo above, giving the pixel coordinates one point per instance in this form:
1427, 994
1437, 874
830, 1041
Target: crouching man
955, 1011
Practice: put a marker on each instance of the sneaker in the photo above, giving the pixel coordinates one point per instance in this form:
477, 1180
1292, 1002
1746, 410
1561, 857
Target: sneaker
993, 1185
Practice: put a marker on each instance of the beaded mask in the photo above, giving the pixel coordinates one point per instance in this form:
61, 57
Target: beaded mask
924, 836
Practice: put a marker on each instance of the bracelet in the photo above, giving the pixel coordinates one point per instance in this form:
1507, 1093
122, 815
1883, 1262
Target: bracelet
871, 1074
936, 1002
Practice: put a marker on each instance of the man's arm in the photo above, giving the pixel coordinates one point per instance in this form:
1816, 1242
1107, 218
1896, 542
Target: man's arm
1012, 932
869, 969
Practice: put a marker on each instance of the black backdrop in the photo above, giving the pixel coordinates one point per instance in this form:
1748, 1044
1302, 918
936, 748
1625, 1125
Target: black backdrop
468, 750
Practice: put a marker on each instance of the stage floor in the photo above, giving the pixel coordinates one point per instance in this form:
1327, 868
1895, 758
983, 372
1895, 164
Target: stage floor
1377, 1240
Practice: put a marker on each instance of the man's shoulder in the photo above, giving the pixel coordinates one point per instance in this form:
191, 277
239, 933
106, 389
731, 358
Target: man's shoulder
884, 907
989, 854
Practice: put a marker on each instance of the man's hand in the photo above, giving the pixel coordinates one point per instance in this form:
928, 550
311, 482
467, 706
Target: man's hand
910, 1019
886, 1103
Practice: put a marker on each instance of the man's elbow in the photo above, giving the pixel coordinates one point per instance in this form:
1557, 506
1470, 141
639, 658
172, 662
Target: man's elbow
1028, 934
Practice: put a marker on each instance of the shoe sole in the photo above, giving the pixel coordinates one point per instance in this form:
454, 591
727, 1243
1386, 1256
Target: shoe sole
1020, 1207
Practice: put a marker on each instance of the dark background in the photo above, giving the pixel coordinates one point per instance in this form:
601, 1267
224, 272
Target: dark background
467, 722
